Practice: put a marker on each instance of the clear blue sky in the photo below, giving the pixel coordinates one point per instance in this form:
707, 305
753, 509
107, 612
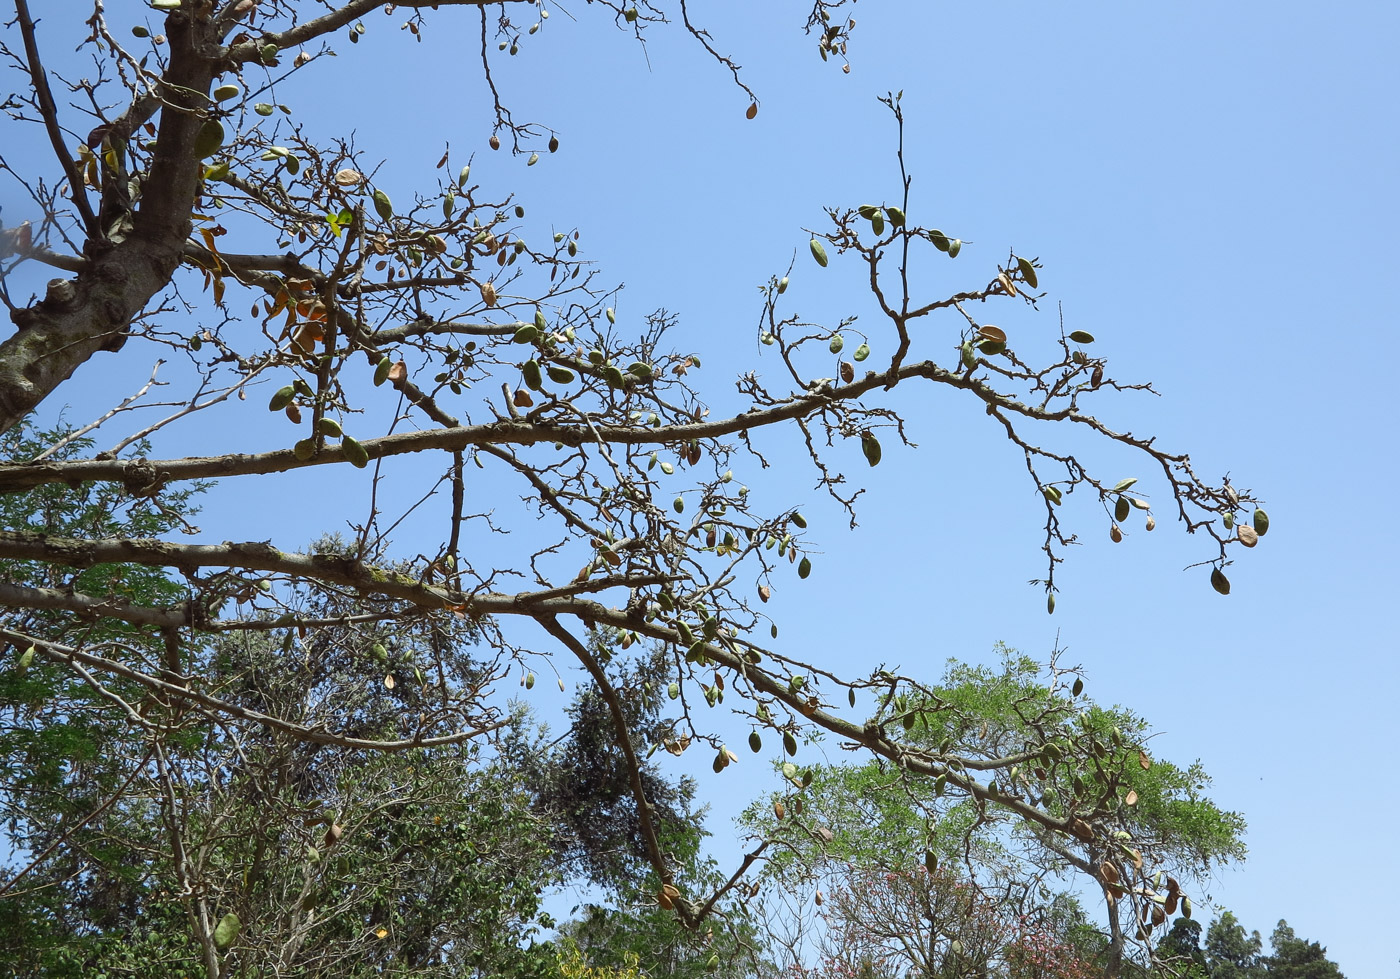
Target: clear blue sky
1211, 188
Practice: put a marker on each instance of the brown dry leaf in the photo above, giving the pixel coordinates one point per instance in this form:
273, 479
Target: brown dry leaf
389, 681
488, 293
398, 372
333, 834
522, 399
779, 809
1005, 281
764, 593
1109, 873
1248, 535
304, 340
1144, 761
1131, 798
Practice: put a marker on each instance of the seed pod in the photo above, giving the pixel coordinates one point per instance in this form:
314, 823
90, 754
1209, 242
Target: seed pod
789, 743
798, 520
804, 567
1028, 272
526, 334
1121, 508
847, 372
837, 342
1248, 536
329, 427
1079, 336
613, 375
861, 353
560, 375
226, 930
818, 252
281, 398
954, 247
382, 205
969, 358
355, 453
1151, 522
304, 449
381, 370
488, 293
209, 139
782, 285
1219, 582
225, 92
871, 447
1261, 522
531, 370
755, 742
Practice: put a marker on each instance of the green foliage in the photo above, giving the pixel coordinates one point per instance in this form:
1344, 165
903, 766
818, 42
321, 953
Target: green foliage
1232, 952
1295, 958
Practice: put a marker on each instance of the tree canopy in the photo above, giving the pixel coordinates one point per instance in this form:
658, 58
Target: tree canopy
197, 206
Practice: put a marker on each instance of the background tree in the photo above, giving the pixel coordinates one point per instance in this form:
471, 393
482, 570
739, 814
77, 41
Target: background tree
373, 321
1143, 824
1296, 958
1231, 952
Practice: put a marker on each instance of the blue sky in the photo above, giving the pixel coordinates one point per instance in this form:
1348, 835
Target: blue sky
1211, 189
